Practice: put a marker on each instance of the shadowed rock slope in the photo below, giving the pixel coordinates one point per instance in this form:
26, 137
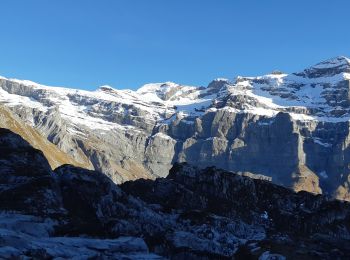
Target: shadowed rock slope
192, 214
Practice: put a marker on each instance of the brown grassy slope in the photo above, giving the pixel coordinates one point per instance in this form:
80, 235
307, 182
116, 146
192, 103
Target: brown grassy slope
54, 155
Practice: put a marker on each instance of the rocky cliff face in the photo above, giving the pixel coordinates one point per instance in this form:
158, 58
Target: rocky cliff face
191, 214
292, 129
54, 155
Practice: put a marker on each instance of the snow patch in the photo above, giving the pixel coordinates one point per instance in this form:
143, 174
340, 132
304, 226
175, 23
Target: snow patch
162, 135
323, 174
319, 141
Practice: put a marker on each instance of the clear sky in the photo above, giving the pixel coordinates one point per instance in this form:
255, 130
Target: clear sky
127, 43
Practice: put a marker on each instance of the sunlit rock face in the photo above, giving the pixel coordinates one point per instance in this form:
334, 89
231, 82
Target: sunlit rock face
293, 129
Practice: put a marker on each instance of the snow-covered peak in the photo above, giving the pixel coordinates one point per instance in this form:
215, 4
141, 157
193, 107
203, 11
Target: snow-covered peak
221, 80
334, 62
106, 88
333, 69
164, 91
318, 93
153, 87
25, 82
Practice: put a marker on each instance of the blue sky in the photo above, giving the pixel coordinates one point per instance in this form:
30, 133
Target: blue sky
126, 43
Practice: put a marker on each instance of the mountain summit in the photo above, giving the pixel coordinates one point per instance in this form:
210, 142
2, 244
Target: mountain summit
340, 61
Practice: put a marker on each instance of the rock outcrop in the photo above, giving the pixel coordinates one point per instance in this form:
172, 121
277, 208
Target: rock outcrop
193, 213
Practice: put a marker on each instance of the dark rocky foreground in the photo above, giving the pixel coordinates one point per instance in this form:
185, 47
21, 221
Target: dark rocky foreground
192, 214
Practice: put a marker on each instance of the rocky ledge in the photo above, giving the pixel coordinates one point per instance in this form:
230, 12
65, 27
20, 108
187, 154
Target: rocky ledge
191, 214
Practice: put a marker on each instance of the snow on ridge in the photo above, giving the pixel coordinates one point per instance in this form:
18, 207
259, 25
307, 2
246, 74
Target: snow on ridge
30, 83
156, 86
105, 87
221, 79
13, 100
160, 92
75, 105
291, 93
333, 62
264, 95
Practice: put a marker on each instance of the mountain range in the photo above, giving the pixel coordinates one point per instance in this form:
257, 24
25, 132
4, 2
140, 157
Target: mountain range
291, 129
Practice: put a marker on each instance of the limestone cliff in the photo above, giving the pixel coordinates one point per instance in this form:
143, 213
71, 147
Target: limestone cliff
292, 129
